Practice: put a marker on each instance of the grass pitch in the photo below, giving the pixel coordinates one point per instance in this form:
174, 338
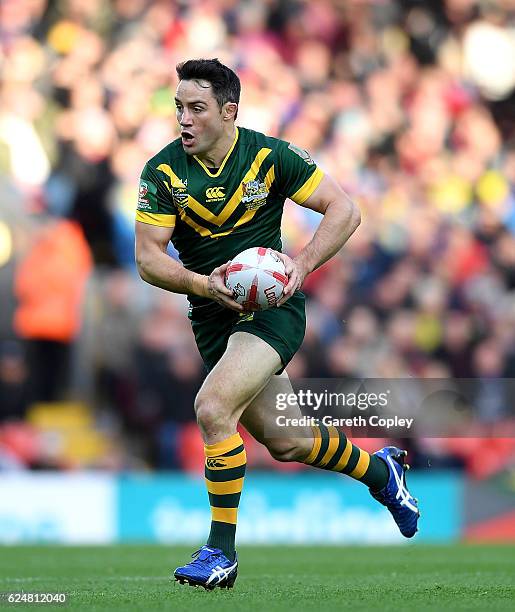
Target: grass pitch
457, 577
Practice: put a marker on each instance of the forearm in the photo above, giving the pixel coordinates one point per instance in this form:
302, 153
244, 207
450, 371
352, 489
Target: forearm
159, 269
339, 222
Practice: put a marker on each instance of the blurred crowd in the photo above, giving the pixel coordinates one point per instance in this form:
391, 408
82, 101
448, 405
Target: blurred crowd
409, 105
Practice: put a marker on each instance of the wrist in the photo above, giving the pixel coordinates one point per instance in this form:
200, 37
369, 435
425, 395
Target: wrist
303, 267
200, 285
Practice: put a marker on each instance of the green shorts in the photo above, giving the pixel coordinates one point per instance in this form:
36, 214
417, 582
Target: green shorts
282, 328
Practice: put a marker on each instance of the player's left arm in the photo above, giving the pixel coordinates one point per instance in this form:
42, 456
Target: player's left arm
341, 217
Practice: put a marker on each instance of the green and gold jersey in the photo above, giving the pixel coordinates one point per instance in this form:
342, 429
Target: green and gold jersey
216, 215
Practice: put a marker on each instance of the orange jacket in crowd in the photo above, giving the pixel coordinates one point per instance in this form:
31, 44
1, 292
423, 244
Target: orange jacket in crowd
50, 282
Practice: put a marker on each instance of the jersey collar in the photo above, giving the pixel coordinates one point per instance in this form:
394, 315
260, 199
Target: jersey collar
222, 165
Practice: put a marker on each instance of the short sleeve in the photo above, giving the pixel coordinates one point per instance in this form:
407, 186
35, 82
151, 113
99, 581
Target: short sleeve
299, 176
155, 205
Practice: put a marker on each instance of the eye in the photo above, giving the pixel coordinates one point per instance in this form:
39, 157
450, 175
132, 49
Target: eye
198, 109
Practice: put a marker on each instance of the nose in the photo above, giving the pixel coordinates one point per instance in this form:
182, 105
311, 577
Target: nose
185, 118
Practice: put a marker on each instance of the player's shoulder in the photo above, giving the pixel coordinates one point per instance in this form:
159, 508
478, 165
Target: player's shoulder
252, 138
171, 154
287, 151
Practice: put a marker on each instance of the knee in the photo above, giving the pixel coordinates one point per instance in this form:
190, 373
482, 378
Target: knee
287, 450
208, 410
213, 412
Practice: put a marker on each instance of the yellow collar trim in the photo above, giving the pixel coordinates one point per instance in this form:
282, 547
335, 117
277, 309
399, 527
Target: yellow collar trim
219, 171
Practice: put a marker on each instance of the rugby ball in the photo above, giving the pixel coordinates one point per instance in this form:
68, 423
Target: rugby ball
256, 278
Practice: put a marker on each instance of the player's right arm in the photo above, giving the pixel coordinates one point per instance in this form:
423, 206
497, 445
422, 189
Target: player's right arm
156, 267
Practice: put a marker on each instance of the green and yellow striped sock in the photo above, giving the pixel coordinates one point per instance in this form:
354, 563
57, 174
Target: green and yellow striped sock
332, 450
225, 469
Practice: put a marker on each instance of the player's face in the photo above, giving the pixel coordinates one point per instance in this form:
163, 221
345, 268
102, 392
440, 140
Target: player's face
199, 116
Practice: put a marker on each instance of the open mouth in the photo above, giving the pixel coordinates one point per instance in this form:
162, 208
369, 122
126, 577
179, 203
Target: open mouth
187, 138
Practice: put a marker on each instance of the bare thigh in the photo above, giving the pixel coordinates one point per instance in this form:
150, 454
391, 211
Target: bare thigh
241, 374
259, 420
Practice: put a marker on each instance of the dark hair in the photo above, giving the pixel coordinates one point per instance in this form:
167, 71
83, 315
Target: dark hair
225, 83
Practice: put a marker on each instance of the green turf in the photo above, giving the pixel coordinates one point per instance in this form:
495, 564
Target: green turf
271, 578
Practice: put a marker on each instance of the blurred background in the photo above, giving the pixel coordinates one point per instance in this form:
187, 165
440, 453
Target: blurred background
409, 105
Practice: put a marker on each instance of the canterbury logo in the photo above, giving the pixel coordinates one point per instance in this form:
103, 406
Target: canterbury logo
214, 193
215, 463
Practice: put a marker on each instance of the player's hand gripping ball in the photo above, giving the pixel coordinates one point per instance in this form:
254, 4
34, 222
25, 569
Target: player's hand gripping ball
257, 278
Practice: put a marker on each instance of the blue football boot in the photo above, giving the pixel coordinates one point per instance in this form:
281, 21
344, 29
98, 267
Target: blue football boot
395, 495
210, 568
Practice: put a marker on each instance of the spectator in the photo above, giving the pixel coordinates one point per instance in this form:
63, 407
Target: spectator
49, 285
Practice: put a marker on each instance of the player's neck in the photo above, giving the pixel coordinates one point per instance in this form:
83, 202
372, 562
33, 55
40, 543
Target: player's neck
216, 155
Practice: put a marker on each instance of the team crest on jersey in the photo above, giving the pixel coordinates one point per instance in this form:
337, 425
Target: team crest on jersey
254, 194
180, 194
147, 200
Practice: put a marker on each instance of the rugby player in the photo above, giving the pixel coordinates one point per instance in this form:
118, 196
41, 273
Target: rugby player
215, 191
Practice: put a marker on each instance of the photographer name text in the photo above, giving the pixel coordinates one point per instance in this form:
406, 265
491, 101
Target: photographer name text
356, 421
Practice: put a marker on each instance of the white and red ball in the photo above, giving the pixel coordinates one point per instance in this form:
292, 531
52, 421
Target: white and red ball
257, 278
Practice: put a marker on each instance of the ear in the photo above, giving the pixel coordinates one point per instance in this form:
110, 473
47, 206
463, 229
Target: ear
229, 111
